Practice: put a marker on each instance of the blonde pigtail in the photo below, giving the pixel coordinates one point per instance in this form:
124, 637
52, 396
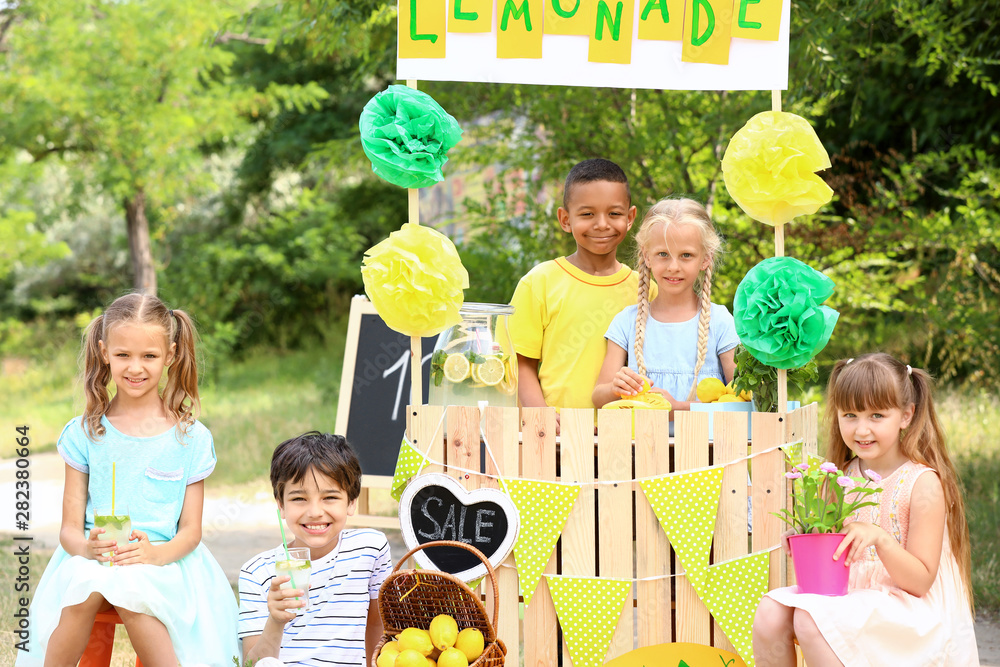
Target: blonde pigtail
704, 320
180, 397
642, 314
96, 376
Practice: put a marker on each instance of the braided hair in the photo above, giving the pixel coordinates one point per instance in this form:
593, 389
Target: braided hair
669, 213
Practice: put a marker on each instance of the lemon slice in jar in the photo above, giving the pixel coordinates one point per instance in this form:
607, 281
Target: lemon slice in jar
456, 367
491, 372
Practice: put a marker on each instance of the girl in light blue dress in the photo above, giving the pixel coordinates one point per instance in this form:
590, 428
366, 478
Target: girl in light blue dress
149, 452
680, 337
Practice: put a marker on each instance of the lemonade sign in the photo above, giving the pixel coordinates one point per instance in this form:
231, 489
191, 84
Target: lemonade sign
662, 44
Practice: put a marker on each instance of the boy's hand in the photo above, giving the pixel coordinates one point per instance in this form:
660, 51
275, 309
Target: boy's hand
281, 602
627, 382
99, 547
134, 553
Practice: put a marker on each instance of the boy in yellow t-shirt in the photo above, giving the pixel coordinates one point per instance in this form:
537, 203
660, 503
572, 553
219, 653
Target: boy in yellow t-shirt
563, 307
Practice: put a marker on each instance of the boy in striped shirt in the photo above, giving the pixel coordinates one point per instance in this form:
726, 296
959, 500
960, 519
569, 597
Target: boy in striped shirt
316, 480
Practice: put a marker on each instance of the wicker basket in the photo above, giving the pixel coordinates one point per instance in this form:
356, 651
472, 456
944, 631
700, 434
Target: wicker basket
412, 598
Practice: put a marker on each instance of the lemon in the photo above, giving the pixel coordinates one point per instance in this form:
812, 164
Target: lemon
710, 389
456, 367
645, 388
414, 639
387, 656
470, 642
410, 658
453, 658
729, 398
730, 389
491, 372
746, 395
443, 631
431, 662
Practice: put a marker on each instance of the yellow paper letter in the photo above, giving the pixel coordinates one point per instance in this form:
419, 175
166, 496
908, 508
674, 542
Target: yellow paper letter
611, 39
471, 16
567, 17
421, 28
707, 28
519, 33
758, 19
662, 20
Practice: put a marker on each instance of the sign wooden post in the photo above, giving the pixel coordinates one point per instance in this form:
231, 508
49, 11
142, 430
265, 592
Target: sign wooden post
779, 251
416, 354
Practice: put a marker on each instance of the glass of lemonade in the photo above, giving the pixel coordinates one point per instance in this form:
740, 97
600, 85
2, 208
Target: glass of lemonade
117, 525
296, 566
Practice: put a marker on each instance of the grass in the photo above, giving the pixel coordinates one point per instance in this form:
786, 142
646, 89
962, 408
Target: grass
970, 423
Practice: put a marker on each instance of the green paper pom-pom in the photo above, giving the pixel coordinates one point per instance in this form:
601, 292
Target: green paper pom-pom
407, 136
779, 314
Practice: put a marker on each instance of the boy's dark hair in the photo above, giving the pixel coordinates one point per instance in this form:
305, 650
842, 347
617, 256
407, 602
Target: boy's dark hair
595, 169
325, 453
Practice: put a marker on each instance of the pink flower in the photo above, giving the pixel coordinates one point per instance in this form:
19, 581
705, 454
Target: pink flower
829, 467
793, 475
802, 466
846, 482
873, 476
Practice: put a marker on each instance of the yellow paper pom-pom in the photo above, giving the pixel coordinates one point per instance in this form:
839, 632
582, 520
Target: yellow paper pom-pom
415, 280
770, 168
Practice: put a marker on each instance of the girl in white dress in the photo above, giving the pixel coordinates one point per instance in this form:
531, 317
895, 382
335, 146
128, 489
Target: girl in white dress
909, 595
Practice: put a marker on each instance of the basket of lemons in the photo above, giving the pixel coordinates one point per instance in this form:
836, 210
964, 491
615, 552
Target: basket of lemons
433, 619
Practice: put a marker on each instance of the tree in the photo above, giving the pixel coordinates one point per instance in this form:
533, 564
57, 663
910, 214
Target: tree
125, 94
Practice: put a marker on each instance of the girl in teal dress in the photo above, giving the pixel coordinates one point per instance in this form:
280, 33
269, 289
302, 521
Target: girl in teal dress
150, 453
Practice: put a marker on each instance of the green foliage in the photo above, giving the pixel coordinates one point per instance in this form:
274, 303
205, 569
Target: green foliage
818, 503
761, 379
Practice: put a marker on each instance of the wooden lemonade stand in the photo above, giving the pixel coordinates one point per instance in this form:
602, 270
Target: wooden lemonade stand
612, 530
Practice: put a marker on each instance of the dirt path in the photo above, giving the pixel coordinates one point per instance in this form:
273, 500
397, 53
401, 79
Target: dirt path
243, 522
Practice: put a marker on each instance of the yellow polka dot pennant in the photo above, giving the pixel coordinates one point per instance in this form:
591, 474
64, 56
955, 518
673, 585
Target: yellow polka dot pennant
588, 609
732, 592
408, 464
686, 505
543, 508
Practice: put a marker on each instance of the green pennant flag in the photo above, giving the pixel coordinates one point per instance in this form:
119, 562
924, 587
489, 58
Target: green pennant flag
408, 464
588, 609
732, 592
543, 508
686, 505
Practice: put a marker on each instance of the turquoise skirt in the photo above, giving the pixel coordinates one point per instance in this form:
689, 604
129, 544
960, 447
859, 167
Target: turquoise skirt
191, 597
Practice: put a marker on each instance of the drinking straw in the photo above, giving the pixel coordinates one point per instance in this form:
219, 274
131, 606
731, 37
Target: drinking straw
112, 488
284, 541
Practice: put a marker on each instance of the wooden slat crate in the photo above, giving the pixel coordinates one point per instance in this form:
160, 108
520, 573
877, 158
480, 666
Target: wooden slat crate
612, 531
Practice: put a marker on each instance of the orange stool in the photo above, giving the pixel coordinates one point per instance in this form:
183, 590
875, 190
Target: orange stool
102, 640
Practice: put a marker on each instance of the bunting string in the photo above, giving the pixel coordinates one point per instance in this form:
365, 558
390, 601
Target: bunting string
660, 577
748, 457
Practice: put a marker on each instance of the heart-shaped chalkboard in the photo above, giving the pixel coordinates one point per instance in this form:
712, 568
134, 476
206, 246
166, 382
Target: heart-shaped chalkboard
436, 507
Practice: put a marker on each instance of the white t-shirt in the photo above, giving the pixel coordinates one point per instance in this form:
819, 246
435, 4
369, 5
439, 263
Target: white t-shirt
341, 586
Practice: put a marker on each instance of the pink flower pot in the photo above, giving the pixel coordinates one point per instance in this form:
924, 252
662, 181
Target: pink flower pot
815, 569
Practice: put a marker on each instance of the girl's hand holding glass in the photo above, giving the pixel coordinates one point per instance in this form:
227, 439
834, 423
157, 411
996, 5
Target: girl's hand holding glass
100, 546
281, 602
138, 551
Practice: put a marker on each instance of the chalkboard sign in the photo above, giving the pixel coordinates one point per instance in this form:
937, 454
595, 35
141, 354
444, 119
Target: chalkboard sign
375, 388
436, 507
